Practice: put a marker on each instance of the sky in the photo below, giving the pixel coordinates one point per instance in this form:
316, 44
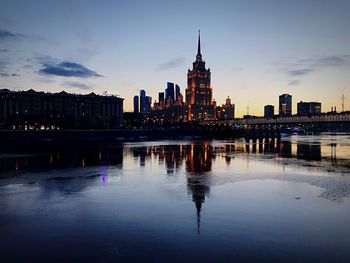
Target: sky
256, 50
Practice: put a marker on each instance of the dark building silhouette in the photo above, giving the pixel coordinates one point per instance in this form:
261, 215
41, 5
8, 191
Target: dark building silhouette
161, 98
148, 103
285, 105
143, 101
136, 104
170, 93
269, 111
199, 92
38, 110
177, 92
308, 108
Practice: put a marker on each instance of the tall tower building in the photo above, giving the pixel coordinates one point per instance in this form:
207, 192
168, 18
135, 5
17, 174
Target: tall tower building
177, 92
269, 111
136, 104
198, 90
169, 92
285, 105
143, 101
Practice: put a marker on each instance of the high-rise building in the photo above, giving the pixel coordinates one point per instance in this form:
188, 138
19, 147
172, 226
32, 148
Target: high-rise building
136, 104
199, 92
169, 92
177, 92
308, 108
148, 103
143, 101
269, 111
285, 105
160, 97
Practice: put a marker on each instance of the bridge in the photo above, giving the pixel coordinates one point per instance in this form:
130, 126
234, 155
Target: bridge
338, 118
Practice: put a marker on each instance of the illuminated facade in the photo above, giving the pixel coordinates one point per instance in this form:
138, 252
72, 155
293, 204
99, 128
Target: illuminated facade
32, 110
199, 93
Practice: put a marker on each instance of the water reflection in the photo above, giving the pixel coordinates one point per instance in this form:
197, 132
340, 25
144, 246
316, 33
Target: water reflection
164, 194
197, 159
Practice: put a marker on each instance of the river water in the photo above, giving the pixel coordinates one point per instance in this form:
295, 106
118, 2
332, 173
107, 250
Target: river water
179, 201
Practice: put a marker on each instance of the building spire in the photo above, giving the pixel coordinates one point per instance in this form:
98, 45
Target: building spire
199, 55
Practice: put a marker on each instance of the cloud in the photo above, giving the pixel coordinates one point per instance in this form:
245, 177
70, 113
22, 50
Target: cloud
302, 67
299, 72
78, 85
7, 35
67, 69
293, 82
3, 50
3, 69
173, 63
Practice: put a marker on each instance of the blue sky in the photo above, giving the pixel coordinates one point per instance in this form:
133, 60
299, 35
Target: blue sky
256, 50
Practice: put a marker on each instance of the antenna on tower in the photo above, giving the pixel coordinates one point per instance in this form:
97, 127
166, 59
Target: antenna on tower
343, 100
248, 109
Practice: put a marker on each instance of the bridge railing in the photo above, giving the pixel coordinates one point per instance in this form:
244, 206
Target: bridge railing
285, 120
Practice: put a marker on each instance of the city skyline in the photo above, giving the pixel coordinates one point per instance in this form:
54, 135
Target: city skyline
256, 52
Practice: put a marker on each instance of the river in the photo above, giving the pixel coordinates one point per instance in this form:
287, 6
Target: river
179, 201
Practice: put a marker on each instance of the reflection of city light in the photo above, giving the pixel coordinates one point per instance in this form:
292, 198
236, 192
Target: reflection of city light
104, 175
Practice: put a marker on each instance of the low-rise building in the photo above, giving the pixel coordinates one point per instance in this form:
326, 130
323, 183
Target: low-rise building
31, 110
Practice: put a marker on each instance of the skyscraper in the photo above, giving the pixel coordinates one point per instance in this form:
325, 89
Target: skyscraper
169, 92
285, 105
136, 104
198, 92
177, 92
148, 104
269, 111
143, 101
161, 97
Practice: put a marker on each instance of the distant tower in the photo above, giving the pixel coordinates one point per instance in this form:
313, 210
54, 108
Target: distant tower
269, 111
198, 90
161, 97
143, 101
169, 92
177, 92
136, 104
148, 104
285, 105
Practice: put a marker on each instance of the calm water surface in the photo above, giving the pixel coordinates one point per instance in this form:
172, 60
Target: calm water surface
179, 201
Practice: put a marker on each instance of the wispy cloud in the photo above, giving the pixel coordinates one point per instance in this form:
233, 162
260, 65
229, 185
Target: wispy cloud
299, 72
173, 63
74, 84
5, 71
297, 69
3, 50
67, 69
293, 82
8, 35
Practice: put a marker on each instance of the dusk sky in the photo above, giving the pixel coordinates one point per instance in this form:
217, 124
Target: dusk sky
256, 50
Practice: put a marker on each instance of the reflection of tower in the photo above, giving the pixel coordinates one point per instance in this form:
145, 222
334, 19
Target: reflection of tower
198, 162
198, 159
